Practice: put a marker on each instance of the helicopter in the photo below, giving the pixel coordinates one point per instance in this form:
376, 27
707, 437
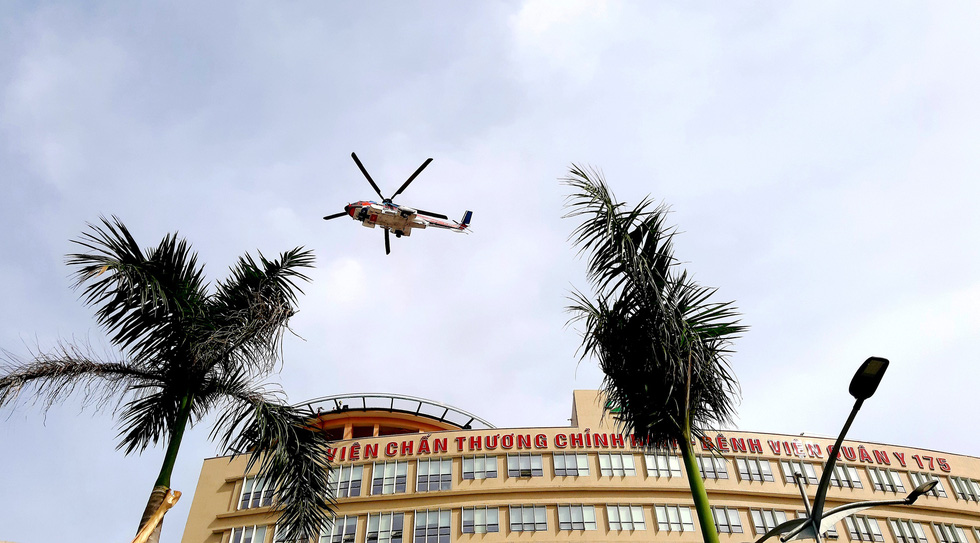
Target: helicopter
394, 218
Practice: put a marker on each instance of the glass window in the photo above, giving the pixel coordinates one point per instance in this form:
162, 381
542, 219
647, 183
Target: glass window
727, 520
248, 534
949, 533
280, 537
754, 469
339, 530
480, 520
829, 532
432, 526
662, 465
480, 467
576, 517
385, 528
921, 478
345, 481
389, 477
528, 518
863, 528
885, 480
616, 465
805, 469
966, 489
571, 465
713, 467
524, 465
255, 493
625, 517
845, 477
907, 531
672, 518
764, 520
434, 475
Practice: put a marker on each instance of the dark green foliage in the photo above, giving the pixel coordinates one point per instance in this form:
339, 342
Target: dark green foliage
188, 352
659, 339
650, 324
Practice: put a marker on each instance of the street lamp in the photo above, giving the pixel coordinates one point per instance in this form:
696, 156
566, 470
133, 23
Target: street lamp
863, 386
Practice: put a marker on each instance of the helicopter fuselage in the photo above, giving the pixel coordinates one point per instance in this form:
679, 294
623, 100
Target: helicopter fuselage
399, 219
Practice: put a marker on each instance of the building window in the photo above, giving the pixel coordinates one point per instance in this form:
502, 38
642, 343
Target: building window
528, 518
920, 478
432, 526
907, 531
625, 517
480, 520
345, 481
248, 534
753, 469
571, 465
845, 477
863, 528
672, 518
830, 532
966, 489
885, 480
389, 477
726, 520
949, 533
662, 465
280, 537
385, 528
255, 493
764, 520
713, 467
792, 467
434, 475
576, 517
524, 465
339, 530
616, 465
480, 467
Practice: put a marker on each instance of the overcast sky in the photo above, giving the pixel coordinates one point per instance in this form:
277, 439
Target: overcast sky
820, 159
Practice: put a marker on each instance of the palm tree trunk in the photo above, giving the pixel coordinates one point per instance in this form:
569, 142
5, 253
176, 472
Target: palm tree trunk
162, 485
707, 521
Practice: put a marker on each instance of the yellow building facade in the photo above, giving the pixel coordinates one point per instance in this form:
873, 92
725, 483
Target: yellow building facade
408, 470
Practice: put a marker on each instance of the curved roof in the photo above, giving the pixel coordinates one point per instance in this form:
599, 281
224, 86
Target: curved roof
396, 403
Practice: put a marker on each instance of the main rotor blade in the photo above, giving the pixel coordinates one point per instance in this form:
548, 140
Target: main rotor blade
431, 214
387, 243
367, 175
412, 178
335, 215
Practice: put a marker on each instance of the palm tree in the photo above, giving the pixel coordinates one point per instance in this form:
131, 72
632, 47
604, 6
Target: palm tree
659, 340
188, 351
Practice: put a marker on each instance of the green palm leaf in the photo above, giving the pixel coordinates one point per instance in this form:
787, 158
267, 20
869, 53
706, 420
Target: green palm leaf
187, 352
660, 340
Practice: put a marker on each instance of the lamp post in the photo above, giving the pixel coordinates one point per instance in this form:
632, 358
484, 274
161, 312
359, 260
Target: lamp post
863, 386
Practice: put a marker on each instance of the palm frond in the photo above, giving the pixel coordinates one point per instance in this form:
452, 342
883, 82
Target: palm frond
252, 307
146, 302
649, 321
291, 455
147, 419
54, 376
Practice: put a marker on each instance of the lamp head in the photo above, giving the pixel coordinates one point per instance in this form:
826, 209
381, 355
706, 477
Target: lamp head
865, 381
924, 488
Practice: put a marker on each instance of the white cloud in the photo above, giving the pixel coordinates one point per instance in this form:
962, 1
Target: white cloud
565, 38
